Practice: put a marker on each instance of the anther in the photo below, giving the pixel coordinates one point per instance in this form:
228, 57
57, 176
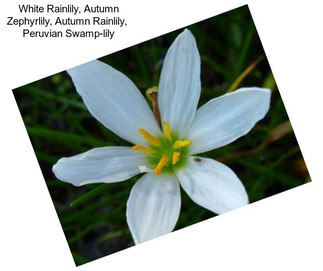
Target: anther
150, 138
142, 149
162, 162
181, 143
175, 157
167, 130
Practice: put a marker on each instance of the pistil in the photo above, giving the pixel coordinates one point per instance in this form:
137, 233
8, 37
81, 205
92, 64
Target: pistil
164, 153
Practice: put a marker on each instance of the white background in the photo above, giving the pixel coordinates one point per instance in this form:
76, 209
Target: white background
283, 232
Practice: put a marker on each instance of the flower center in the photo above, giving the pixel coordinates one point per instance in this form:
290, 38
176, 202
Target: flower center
165, 153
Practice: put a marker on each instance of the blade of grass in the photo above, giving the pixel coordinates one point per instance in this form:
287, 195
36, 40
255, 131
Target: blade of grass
96, 222
270, 172
89, 195
56, 183
44, 157
244, 51
142, 66
269, 82
260, 180
110, 236
79, 259
73, 215
83, 232
214, 65
50, 95
202, 35
64, 138
242, 76
277, 133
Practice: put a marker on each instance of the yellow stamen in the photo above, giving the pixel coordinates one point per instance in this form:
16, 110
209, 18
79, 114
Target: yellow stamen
175, 157
150, 138
162, 162
167, 130
181, 143
142, 149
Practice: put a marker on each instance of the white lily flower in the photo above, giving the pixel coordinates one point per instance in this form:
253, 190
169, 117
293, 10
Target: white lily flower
166, 154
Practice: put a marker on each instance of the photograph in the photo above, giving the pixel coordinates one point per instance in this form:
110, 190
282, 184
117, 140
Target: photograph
161, 135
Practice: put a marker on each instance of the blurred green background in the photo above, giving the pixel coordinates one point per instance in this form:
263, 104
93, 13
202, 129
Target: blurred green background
267, 160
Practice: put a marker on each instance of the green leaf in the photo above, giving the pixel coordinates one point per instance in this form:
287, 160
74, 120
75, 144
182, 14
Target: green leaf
65, 138
79, 259
56, 97
89, 195
110, 236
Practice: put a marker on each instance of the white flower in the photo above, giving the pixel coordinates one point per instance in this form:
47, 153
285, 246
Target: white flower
167, 155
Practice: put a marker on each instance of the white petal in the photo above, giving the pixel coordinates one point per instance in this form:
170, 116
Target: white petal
212, 185
100, 165
153, 206
228, 117
180, 86
114, 100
